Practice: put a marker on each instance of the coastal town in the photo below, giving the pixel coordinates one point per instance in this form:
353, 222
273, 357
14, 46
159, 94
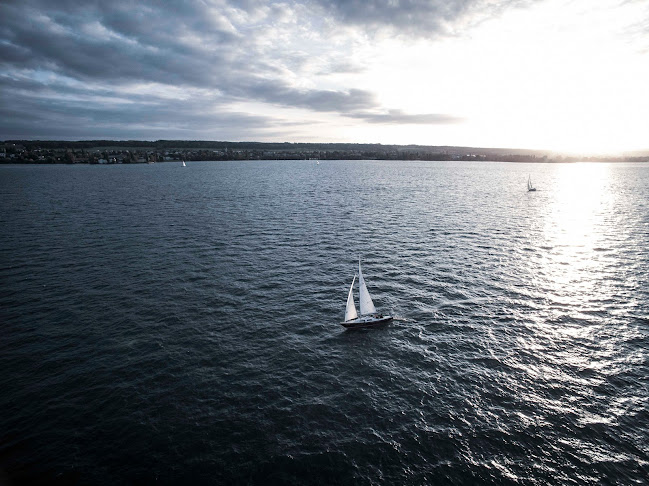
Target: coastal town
141, 152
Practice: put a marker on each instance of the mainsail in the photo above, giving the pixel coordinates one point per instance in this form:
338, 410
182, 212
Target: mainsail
350, 310
367, 306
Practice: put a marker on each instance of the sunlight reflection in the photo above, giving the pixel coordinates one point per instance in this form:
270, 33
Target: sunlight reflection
579, 193
574, 223
573, 334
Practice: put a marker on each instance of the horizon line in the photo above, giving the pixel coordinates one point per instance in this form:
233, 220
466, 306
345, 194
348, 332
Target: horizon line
626, 152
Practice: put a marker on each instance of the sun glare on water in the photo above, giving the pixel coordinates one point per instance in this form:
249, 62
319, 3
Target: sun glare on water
575, 225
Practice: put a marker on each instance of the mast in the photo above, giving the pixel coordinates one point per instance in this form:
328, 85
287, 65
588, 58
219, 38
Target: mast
350, 310
367, 306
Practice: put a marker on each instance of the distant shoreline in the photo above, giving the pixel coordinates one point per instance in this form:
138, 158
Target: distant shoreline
134, 152
486, 161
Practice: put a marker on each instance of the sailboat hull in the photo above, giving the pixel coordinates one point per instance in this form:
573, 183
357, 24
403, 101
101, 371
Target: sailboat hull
366, 321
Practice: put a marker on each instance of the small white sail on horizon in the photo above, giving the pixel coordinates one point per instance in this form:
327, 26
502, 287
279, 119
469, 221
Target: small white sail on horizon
184, 164
530, 187
350, 310
366, 304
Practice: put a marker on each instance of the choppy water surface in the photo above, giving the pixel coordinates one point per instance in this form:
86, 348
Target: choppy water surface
180, 325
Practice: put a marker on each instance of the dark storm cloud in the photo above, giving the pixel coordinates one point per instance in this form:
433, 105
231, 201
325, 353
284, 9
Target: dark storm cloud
125, 42
114, 40
52, 52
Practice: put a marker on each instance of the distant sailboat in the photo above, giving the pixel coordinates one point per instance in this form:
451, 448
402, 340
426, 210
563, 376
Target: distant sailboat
369, 316
184, 165
530, 187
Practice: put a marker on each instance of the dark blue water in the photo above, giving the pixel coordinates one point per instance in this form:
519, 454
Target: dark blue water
180, 325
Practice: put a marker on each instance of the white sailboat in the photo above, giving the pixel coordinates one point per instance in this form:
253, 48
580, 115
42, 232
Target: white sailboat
184, 165
369, 316
530, 187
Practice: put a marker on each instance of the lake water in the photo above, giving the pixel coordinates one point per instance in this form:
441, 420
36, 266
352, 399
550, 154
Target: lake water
181, 325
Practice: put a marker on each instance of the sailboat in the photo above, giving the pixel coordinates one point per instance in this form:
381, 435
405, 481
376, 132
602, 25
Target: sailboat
184, 165
530, 187
369, 317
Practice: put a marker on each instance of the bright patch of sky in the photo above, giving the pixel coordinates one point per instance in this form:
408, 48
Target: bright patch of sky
560, 75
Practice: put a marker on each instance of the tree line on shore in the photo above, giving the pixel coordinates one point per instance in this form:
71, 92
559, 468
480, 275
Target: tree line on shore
136, 151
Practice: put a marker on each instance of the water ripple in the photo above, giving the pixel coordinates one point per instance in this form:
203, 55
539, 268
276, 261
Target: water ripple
175, 326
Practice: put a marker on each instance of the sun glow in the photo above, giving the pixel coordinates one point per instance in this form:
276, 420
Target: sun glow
534, 79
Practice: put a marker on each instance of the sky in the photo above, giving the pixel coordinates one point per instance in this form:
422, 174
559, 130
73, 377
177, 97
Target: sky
560, 75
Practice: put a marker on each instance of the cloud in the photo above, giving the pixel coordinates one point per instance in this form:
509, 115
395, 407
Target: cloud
116, 40
85, 64
397, 117
55, 110
316, 100
638, 31
341, 67
181, 45
422, 18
